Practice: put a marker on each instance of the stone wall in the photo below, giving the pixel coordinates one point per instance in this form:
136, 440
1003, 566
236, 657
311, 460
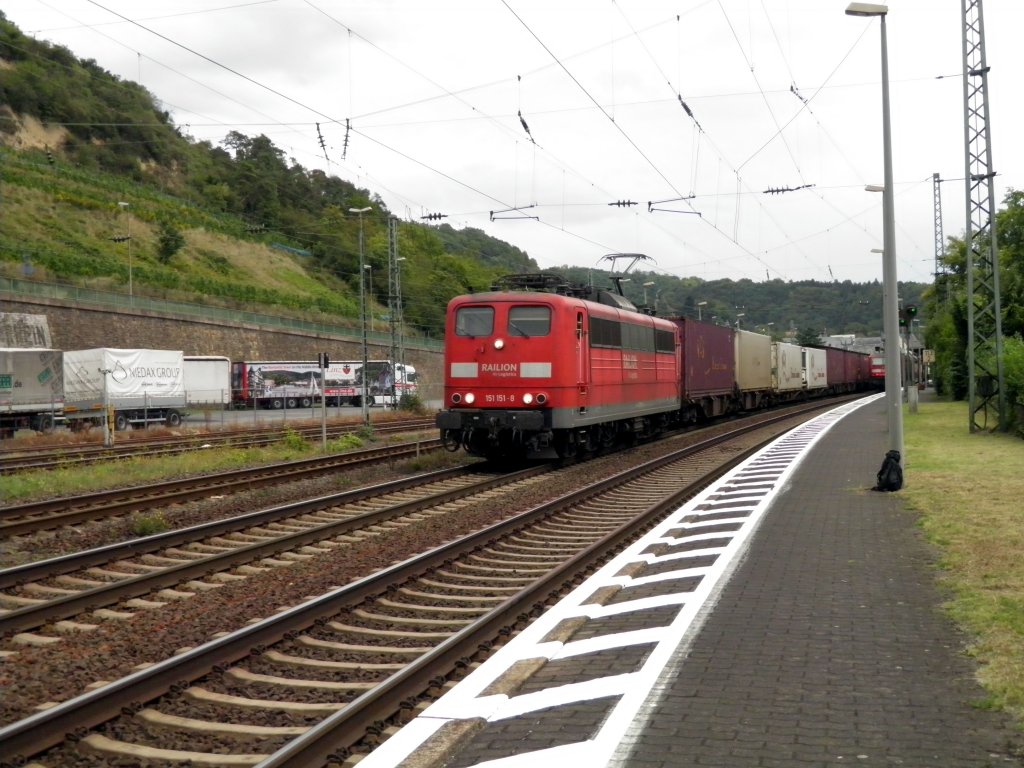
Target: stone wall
84, 327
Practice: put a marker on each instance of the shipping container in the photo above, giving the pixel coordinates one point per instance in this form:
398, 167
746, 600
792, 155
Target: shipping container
753, 357
835, 368
753, 361
815, 368
787, 368
709, 370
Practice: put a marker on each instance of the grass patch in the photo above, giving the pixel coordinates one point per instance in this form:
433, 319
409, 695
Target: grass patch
26, 486
968, 488
149, 524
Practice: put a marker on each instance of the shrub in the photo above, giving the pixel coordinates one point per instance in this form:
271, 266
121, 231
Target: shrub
292, 439
411, 402
149, 524
349, 442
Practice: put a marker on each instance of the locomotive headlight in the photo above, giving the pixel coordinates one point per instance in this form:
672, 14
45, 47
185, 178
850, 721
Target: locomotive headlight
456, 398
527, 398
470, 398
499, 343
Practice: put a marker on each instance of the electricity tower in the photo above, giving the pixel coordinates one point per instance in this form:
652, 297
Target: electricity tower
985, 383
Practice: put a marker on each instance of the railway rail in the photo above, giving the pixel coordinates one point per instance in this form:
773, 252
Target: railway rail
53, 457
44, 591
319, 680
32, 517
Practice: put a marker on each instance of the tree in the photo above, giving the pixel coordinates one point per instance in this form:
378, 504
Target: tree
169, 242
808, 337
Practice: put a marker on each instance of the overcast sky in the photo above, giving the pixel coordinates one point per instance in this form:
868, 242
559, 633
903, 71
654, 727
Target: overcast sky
684, 108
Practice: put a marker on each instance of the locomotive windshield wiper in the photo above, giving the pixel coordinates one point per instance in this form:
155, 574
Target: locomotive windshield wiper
515, 327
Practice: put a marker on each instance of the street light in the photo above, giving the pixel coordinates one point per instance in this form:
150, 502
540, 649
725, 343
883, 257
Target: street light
741, 314
699, 305
647, 285
131, 293
395, 320
362, 312
369, 292
890, 313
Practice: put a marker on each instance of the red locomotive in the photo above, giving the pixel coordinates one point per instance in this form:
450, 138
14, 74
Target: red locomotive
546, 366
536, 364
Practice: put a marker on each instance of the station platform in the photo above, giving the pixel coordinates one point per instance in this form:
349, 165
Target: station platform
788, 616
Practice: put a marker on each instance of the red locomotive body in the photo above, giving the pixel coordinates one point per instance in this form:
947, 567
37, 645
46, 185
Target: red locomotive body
877, 368
530, 370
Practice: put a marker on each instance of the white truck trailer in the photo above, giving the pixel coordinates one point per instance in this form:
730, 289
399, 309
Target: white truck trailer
31, 389
136, 387
207, 380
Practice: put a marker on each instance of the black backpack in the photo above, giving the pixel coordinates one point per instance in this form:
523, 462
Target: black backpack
890, 476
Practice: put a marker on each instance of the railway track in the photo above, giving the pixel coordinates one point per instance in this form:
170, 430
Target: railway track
54, 457
321, 679
32, 517
130, 575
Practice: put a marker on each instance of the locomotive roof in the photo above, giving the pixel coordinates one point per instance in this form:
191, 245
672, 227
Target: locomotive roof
552, 284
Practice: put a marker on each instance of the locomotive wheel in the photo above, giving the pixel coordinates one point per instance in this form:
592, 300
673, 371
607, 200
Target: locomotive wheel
565, 445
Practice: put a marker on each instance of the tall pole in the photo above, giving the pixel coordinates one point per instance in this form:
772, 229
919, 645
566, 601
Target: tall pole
986, 376
890, 285
363, 401
891, 320
131, 291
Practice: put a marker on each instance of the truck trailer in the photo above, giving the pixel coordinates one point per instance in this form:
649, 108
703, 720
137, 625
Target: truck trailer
136, 387
281, 384
384, 384
31, 389
207, 380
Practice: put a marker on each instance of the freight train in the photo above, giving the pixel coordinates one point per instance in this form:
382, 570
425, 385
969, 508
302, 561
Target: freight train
536, 365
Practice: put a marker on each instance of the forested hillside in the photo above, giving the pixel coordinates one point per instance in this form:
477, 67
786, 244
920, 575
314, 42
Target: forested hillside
89, 160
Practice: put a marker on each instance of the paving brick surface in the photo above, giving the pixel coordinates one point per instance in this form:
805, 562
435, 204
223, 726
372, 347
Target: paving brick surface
828, 646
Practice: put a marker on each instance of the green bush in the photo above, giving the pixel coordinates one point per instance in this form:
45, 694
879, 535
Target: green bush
412, 403
149, 524
349, 442
292, 439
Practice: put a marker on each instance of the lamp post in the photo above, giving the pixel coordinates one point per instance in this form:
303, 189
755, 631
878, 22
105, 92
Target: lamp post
890, 314
395, 321
647, 285
362, 313
741, 314
699, 305
131, 292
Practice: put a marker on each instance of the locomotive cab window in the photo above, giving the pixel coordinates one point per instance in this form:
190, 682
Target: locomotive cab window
474, 321
529, 321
